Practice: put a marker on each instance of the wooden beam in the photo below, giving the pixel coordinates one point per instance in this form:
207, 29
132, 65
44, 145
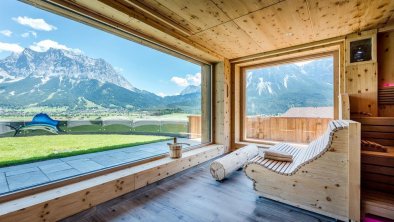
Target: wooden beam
72, 10
56, 204
293, 49
149, 20
156, 16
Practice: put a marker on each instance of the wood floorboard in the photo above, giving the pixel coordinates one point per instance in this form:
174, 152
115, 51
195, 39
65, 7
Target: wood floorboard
194, 196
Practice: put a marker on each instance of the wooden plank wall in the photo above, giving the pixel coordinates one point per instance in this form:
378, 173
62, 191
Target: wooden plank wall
361, 79
289, 129
385, 67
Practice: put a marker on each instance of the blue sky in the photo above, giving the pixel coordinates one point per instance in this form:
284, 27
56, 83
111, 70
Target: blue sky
22, 26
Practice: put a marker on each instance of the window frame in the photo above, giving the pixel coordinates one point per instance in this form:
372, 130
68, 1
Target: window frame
206, 68
243, 70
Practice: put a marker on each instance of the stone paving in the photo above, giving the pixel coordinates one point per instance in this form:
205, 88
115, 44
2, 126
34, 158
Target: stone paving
17, 177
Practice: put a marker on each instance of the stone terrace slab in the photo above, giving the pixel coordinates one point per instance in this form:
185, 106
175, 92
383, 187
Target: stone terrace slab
22, 176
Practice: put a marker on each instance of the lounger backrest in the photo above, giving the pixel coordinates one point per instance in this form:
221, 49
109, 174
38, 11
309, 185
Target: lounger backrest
302, 156
322, 144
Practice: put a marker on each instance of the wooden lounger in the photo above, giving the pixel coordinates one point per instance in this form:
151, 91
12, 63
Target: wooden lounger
324, 177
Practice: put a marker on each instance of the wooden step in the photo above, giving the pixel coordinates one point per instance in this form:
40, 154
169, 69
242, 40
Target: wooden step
377, 203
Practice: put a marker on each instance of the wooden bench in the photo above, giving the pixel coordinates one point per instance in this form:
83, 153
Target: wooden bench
301, 155
377, 168
324, 177
378, 203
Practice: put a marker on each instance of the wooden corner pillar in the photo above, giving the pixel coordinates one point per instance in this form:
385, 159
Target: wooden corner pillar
354, 177
221, 103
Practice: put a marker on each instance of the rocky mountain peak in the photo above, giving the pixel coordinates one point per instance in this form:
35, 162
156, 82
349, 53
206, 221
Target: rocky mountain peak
61, 63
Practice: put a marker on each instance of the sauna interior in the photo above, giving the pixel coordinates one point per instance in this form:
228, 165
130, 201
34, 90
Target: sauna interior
294, 117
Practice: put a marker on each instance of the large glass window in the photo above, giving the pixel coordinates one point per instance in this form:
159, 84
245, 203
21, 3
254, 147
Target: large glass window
290, 102
75, 99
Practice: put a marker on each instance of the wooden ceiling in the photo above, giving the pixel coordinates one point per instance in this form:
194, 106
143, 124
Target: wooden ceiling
217, 29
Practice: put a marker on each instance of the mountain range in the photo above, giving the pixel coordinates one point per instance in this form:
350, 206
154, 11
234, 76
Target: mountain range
275, 89
61, 78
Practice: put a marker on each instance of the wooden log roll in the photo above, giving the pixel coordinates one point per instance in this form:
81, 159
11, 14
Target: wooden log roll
224, 166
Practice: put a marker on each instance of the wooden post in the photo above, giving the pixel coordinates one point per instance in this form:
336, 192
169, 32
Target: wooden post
222, 104
344, 109
354, 170
206, 103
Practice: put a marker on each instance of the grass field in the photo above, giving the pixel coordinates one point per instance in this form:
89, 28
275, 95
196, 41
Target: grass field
17, 150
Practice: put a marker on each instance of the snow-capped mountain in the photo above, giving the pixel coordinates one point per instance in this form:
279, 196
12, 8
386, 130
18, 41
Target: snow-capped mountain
191, 89
64, 78
61, 78
62, 64
273, 90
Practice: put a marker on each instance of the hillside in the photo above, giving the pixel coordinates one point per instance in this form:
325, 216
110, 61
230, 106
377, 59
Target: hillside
274, 90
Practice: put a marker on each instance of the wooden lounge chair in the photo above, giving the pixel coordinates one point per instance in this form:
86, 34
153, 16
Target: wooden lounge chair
324, 177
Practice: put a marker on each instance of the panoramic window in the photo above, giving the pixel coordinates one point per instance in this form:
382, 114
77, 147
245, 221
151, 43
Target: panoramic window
77, 102
290, 102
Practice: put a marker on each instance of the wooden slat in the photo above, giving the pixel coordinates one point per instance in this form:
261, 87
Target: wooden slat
377, 169
382, 159
384, 142
382, 187
377, 178
374, 128
378, 135
376, 121
378, 203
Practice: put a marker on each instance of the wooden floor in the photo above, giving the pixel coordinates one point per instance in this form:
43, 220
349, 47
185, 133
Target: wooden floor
194, 196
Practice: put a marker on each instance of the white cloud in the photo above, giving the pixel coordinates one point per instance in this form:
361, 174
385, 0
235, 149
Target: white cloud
27, 34
10, 47
187, 80
44, 45
179, 81
6, 32
38, 24
194, 79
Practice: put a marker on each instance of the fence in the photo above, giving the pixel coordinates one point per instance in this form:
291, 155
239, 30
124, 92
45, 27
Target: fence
156, 127
289, 129
194, 126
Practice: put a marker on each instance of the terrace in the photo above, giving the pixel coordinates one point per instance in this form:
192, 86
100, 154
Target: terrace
36, 157
296, 93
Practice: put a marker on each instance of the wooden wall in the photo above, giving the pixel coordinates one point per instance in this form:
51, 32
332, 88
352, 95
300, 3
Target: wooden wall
361, 79
287, 129
386, 67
